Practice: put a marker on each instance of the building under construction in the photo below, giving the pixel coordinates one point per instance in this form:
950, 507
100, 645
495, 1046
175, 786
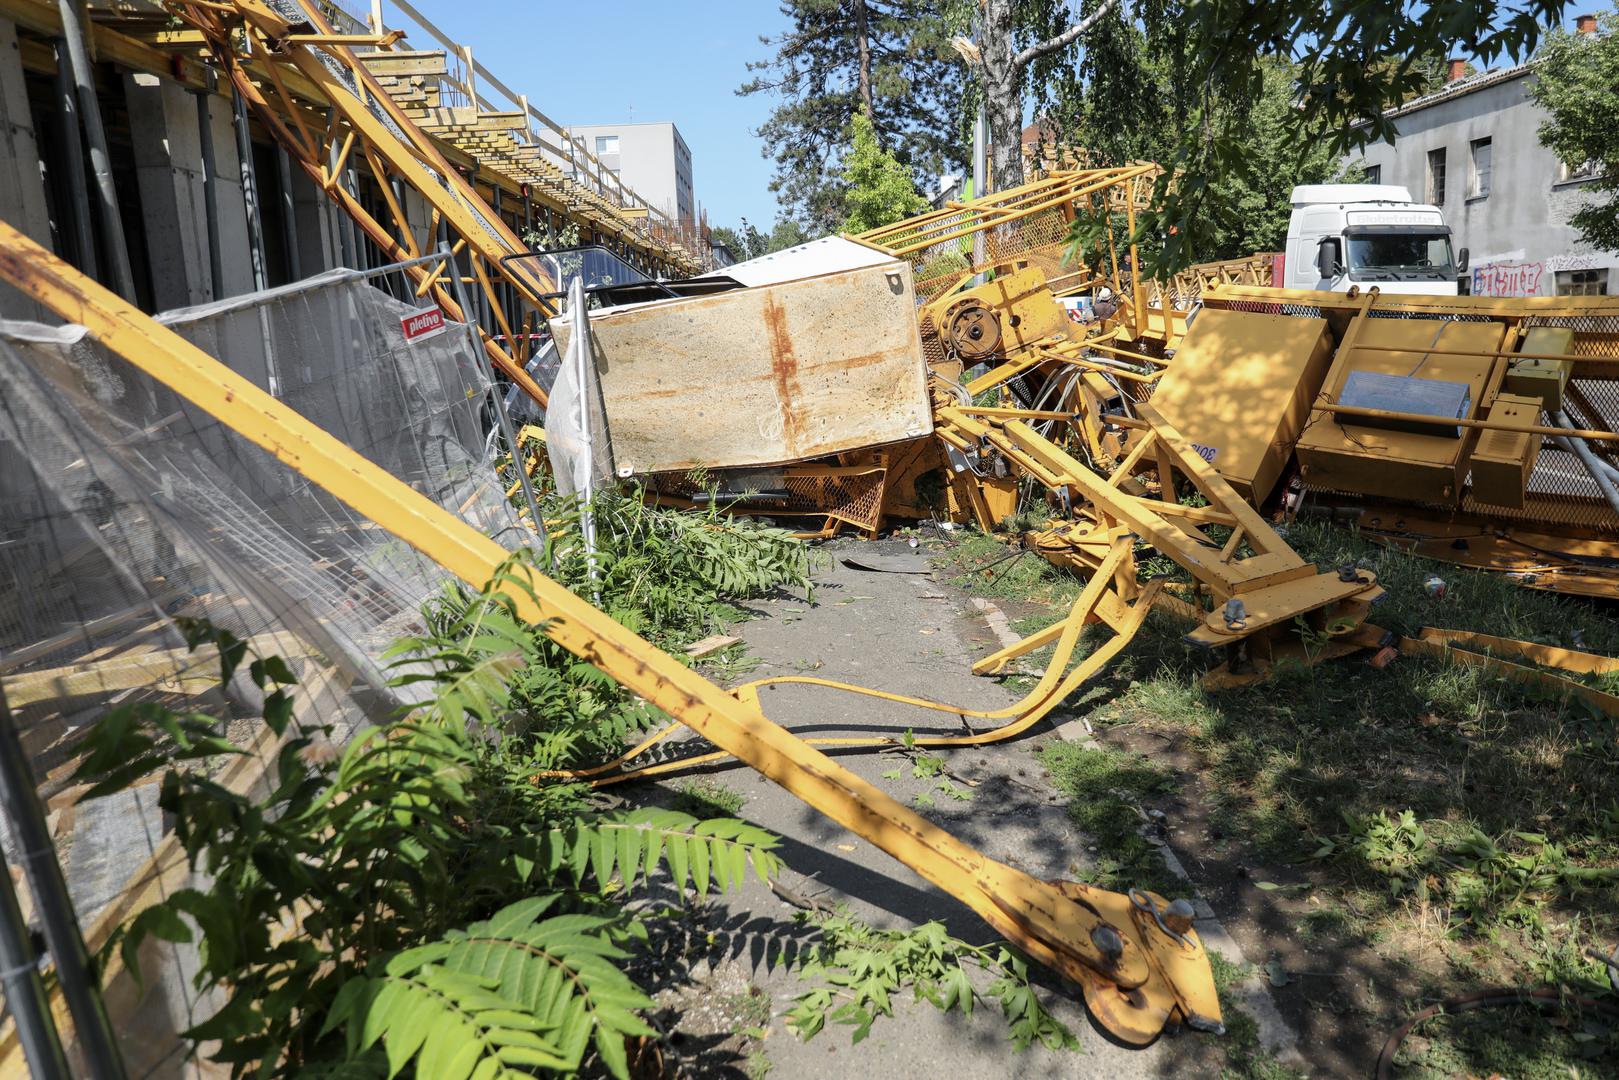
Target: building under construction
184, 195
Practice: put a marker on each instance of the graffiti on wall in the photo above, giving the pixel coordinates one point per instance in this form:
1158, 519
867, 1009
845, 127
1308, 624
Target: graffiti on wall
1558, 263
1529, 278
1508, 279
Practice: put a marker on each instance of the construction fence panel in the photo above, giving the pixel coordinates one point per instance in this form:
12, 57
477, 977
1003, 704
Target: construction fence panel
125, 510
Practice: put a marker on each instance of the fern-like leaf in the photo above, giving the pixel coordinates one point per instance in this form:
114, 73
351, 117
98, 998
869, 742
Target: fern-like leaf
512, 992
706, 854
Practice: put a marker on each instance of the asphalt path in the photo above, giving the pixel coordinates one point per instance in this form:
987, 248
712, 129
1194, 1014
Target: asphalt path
911, 634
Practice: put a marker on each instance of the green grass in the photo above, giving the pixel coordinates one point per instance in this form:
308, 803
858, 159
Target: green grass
1109, 792
707, 798
1519, 1042
986, 565
1245, 1058
1296, 760
1515, 791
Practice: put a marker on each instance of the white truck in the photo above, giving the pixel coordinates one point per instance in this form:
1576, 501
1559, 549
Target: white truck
1368, 234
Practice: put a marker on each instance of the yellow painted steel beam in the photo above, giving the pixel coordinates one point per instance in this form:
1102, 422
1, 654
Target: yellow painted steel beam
1136, 976
1275, 580
410, 153
1441, 645
1438, 307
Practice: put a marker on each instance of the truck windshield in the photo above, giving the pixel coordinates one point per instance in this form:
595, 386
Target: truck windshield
1400, 256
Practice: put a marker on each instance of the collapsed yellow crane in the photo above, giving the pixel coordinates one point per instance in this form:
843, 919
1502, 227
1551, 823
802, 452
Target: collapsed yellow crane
1137, 957
308, 58
1521, 474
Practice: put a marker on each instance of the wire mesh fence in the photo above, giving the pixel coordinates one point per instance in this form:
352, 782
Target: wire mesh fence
128, 516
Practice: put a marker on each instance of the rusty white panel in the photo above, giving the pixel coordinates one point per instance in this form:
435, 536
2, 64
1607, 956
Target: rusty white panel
828, 255
763, 376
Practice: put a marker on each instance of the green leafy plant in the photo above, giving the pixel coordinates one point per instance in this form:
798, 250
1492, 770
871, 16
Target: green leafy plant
382, 905
878, 190
672, 576
1481, 878
862, 968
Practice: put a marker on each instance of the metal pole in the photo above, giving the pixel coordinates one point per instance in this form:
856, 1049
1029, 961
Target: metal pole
289, 212
24, 990
362, 242
84, 241
210, 184
250, 196
345, 224
579, 346
74, 971
407, 235
112, 226
475, 346
980, 152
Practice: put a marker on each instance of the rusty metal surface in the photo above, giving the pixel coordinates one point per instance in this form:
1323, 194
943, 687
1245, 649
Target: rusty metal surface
763, 376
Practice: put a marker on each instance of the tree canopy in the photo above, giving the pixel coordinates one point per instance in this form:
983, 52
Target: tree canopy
747, 242
1353, 62
1235, 100
877, 189
1577, 83
888, 59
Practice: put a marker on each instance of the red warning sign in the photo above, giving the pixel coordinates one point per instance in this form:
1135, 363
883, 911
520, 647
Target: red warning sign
423, 324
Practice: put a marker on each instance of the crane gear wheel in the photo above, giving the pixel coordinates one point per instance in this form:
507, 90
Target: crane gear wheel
973, 330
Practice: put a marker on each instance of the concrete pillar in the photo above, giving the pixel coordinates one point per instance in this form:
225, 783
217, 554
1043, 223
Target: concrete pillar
420, 215
169, 171
22, 185
315, 223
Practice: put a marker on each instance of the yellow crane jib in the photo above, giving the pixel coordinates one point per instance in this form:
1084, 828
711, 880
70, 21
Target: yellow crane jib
1137, 957
282, 68
1259, 586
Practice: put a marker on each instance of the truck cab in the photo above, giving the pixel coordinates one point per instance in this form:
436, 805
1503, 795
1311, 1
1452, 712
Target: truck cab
1341, 235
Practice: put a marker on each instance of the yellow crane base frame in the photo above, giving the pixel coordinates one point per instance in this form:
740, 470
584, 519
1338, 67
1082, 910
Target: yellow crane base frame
1139, 961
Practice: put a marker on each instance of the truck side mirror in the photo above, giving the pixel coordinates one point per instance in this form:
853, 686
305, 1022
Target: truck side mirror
1326, 258
1461, 261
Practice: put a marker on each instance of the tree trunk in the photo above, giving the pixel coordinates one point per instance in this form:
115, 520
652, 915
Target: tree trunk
1002, 80
862, 38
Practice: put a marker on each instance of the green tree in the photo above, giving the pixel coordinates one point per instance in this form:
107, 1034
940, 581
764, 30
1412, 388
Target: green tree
1577, 83
788, 233
1206, 62
747, 242
1253, 201
1354, 61
887, 59
1012, 36
743, 242
877, 189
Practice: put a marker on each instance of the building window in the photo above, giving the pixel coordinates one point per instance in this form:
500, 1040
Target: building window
1436, 177
1374, 174
1478, 177
1588, 170
606, 144
1582, 283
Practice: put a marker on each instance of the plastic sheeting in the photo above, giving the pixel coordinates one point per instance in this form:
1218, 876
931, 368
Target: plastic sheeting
576, 435
123, 508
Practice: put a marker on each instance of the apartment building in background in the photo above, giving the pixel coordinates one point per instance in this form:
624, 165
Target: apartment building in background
651, 158
1473, 149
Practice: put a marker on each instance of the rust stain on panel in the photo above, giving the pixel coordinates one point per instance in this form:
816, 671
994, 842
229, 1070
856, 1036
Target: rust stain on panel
784, 368
865, 360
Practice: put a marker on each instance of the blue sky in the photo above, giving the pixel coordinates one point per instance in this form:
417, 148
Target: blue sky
612, 62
